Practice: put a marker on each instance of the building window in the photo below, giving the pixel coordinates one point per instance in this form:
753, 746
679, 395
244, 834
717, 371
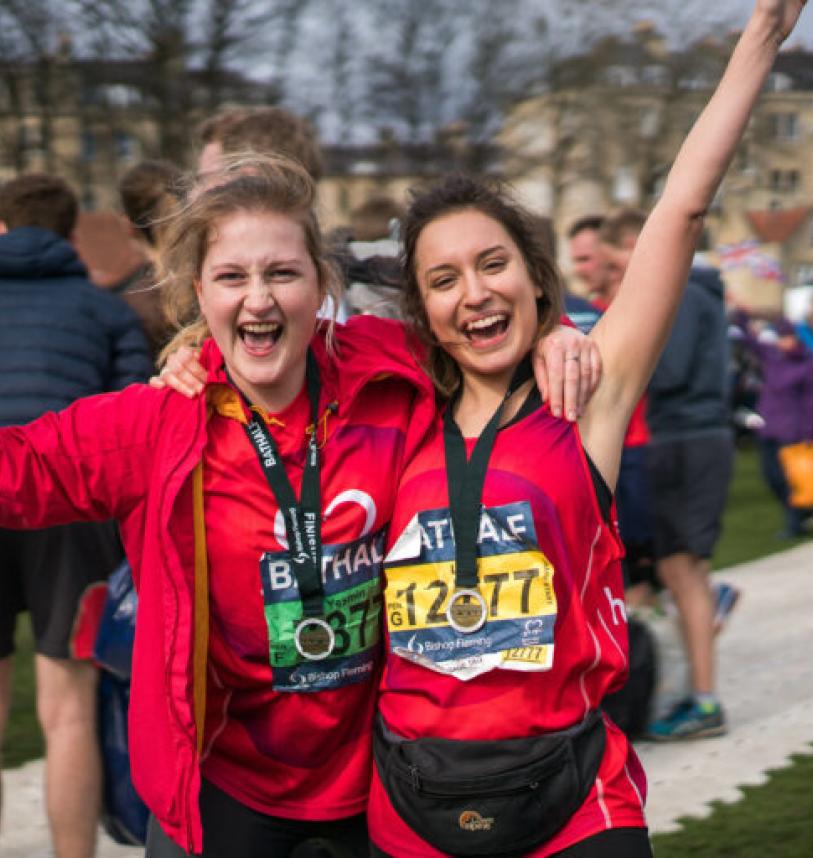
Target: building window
123, 146
88, 199
30, 137
695, 80
87, 146
655, 75
784, 181
804, 275
621, 76
778, 82
625, 186
120, 95
784, 126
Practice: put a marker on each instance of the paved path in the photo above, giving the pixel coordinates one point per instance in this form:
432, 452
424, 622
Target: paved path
766, 684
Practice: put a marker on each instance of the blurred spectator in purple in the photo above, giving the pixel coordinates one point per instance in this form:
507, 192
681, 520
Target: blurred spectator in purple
785, 402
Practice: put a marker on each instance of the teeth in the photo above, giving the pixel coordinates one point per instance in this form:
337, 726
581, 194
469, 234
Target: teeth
261, 327
487, 322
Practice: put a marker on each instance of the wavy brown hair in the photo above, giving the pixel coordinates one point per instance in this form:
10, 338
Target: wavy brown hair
455, 194
246, 184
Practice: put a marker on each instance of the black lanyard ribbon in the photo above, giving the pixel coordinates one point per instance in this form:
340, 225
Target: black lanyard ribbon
303, 518
466, 477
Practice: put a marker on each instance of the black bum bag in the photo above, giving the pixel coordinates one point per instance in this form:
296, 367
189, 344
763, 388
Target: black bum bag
486, 799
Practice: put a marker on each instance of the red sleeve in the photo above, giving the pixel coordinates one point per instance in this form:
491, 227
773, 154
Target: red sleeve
89, 462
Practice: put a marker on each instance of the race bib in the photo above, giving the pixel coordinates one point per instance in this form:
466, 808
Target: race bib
515, 583
351, 577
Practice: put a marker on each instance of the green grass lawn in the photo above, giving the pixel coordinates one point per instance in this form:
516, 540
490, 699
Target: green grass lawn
23, 736
774, 819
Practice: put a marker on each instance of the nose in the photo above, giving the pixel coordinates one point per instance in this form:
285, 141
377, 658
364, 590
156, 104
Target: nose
259, 296
475, 290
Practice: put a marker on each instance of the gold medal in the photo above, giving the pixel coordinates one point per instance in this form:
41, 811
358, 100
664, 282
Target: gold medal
467, 611
314, 639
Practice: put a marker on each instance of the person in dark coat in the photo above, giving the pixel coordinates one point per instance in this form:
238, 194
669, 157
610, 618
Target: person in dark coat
61, 338
690, 462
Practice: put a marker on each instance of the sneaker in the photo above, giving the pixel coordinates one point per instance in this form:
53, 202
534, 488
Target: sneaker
689, 720
725, 600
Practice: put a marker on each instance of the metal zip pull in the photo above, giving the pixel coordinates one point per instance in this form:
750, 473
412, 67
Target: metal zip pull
415, 777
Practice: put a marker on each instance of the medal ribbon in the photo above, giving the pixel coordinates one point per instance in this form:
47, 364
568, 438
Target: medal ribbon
465, 479
303, 518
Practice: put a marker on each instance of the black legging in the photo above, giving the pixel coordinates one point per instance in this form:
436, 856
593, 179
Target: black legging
232, 830
616, 843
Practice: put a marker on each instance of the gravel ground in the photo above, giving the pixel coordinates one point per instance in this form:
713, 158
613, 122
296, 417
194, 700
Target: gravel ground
766, 684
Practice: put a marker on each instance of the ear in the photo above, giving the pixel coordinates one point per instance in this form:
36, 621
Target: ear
3, 227
198, 291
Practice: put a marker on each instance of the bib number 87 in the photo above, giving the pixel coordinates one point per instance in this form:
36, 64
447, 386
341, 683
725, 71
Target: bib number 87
343, 625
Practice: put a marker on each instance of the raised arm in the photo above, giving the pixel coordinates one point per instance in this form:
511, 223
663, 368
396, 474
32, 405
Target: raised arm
634, 329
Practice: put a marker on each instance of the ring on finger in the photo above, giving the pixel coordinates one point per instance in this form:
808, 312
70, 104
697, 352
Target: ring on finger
572, 357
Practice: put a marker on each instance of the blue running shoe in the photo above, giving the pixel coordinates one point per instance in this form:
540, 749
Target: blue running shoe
689, 720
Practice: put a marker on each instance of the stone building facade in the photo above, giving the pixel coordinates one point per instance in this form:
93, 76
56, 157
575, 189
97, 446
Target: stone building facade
607, 126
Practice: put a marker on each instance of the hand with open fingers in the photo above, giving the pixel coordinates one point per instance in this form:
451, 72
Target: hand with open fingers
182, 372
779, 16
567, 366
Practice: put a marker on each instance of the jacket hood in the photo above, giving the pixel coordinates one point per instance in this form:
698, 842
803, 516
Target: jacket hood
707, 277
34, 253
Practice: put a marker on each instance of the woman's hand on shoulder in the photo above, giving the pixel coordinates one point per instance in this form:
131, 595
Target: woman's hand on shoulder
567, 366
182, 372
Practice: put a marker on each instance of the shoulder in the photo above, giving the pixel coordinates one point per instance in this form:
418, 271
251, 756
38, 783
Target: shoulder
369, 349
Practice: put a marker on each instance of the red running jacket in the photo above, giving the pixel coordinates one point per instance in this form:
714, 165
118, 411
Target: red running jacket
131, 455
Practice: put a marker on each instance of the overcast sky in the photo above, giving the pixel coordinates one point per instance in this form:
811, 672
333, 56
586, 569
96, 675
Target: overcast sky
736, 10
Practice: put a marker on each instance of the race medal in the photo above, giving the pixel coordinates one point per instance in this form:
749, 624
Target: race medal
314, 639
467, 611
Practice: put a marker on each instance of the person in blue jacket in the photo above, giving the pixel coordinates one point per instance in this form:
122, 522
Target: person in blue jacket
61, 338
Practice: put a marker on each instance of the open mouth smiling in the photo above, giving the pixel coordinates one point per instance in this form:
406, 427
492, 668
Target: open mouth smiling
486, 327
260, 336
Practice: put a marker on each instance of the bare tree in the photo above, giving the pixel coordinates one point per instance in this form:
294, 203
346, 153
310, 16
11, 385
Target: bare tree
186, 49
29, 36
406, 74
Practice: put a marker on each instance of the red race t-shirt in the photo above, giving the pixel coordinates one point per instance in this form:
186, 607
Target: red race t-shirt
293, 739
540, 513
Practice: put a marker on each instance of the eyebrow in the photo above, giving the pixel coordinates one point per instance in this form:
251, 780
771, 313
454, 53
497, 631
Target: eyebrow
481, 255
233, 263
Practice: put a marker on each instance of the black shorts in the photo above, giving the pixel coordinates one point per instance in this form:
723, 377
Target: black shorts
615, 843
689, 481
232, 830
47, 573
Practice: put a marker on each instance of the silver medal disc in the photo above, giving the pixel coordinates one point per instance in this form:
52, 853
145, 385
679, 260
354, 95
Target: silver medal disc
467, 611
314, 639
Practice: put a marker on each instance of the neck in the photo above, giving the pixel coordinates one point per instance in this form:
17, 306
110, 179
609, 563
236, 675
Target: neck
274, 398
480, 398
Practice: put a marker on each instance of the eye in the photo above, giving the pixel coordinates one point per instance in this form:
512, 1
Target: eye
495, 264
444, 281
282, 275
228, 278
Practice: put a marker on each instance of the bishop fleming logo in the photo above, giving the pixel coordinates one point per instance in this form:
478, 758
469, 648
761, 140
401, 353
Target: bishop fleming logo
471, 820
